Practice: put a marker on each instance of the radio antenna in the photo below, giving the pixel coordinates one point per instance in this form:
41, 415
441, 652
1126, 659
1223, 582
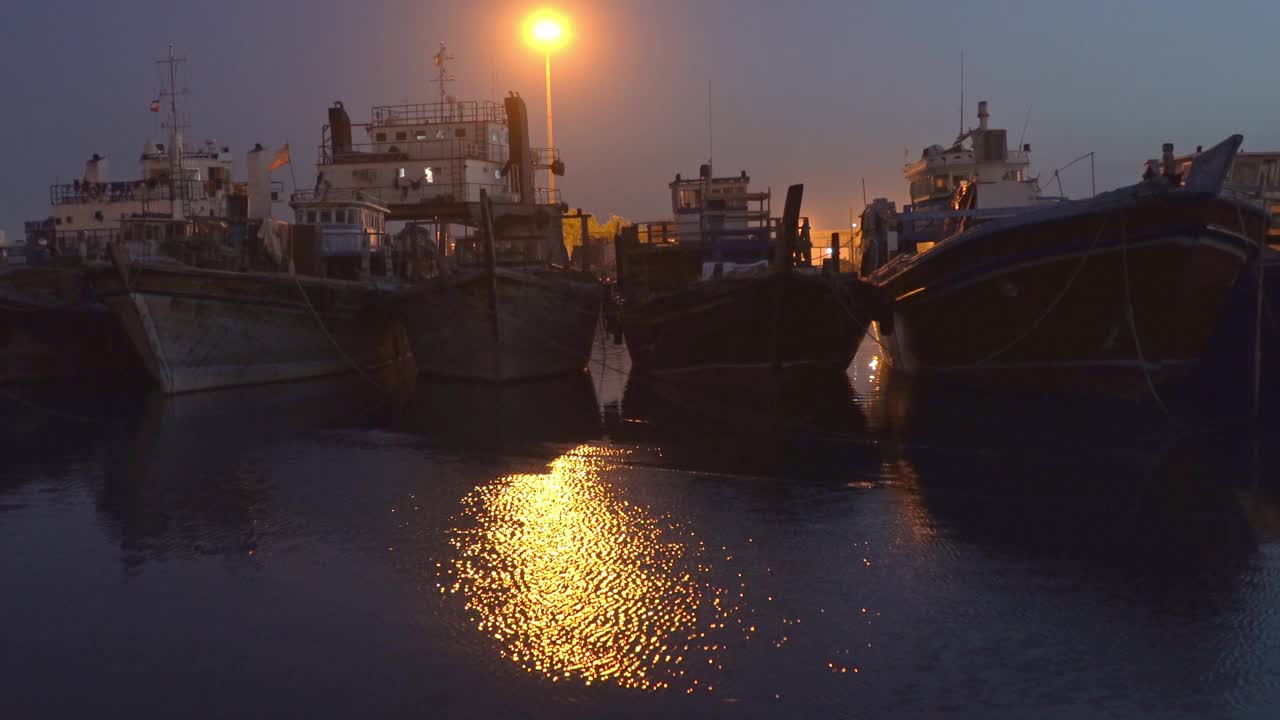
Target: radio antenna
711, 138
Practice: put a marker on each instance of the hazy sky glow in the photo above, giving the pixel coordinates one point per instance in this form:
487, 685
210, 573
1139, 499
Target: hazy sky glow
820, 92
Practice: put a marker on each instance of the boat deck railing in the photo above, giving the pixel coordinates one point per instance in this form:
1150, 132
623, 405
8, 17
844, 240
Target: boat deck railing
438, 113
412, 150
670, 231
333, 195
78, 192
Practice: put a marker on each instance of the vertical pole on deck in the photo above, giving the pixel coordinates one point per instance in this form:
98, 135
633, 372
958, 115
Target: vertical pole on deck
790, 224
1257, 329
491, 269
835, 252
782, 258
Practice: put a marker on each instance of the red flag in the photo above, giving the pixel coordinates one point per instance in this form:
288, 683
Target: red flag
155, 106
281, 158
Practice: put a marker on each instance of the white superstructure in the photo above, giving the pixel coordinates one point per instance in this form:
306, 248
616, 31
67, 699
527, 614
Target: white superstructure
173, 179
987, 161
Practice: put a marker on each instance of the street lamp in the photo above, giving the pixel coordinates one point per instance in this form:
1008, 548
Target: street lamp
547, 30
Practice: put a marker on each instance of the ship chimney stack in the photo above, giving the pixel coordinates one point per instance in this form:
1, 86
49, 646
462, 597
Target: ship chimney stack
339, 129
259, 184
982, 115
1166, 160
95, 169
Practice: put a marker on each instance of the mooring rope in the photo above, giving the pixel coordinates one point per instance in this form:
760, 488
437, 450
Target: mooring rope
1071, 281
334, 341
1133, 322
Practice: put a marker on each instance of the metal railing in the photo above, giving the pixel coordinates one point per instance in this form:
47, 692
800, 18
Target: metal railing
333, 195
410, 150
438, 113
78, 193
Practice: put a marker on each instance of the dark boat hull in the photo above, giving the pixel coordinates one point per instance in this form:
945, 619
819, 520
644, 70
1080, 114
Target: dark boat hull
199, 329
529, 324
760, 323
51, 328
1118, 298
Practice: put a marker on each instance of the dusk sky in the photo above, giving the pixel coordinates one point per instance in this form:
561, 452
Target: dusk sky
820, 92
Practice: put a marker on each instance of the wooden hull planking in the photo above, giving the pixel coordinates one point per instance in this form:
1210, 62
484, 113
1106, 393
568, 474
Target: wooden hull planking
752, 324
205, 329
544, 325
51, 329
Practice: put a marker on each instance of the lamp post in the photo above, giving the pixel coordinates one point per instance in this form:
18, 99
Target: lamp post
551, 137
546, 31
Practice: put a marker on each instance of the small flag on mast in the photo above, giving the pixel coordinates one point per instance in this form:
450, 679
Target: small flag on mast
281, 158
155, 106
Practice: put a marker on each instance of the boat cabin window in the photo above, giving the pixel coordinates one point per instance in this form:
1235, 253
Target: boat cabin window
311, 216
326, 216
1269, 176
690, 199
493, 136
940, 182
460, 132
419, 134
380, 137
402, 136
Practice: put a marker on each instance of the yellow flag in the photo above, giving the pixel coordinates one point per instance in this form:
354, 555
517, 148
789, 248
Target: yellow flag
281, 158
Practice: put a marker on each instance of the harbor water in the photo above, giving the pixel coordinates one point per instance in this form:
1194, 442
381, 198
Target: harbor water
600, 546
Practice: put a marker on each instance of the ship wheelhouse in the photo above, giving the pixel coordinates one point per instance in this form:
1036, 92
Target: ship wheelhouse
346, 232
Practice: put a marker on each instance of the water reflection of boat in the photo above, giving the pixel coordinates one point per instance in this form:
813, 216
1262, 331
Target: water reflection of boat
187, 484
1147, 514
488, 416
51, 428
797, 421
916, 411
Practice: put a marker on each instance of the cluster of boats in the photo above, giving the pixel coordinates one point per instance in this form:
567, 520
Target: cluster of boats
982, 277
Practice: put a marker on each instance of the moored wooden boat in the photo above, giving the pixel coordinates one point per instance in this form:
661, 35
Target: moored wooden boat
513, 324
200, 329
51, 328
490, 295
688, 308
313, 303
1120, 293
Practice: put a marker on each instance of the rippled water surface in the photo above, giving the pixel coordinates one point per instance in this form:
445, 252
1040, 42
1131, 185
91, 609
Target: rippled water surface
593, 547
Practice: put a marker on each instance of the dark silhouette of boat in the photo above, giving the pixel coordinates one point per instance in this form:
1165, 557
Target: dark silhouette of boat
1120, 293
719, 290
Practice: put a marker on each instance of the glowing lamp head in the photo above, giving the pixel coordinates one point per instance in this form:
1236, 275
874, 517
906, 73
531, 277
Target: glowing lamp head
546, 30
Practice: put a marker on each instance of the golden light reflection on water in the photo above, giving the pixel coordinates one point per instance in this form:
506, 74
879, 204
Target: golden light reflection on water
574, 582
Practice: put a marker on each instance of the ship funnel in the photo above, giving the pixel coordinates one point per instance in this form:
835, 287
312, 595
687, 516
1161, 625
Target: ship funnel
1166, 160
95, 170
259, 184
339, 129
982, 115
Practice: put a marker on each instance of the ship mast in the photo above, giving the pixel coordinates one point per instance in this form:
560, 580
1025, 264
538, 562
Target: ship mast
177, 188
442, 74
